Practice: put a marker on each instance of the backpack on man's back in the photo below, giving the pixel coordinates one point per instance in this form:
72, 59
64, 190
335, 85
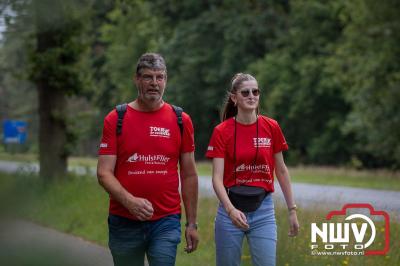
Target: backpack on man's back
121, 110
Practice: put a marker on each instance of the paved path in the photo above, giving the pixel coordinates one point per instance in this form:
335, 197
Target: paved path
28, 168
25, 243
334, 197
306, 195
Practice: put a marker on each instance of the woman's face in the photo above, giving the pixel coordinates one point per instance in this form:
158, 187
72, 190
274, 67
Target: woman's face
247, 96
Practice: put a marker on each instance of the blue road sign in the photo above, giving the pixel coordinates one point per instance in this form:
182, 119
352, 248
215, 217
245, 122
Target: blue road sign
14, 131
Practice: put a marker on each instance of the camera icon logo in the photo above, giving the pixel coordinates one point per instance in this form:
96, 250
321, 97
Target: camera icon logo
350, 237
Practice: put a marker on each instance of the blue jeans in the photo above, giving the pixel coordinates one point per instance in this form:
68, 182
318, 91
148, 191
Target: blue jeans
130, 240
261, 236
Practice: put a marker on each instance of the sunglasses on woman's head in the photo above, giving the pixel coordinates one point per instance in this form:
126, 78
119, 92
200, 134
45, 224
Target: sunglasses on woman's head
246, 93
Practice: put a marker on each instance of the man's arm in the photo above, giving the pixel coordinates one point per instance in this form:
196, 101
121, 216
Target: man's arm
189, 189
139, 207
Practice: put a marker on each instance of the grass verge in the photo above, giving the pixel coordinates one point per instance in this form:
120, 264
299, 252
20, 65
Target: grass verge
373, 179
78, 206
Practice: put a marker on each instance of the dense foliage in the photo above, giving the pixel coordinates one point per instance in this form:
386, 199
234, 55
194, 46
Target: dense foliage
329, 71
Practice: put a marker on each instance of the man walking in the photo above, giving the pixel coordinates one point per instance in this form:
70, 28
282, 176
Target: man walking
141, 146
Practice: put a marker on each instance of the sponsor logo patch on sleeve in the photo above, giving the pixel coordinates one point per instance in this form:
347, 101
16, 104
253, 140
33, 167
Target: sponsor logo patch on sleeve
103, 145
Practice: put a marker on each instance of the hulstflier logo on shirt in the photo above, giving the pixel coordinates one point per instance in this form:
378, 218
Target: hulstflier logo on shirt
262, 142
148, 159
259, 168
160, 132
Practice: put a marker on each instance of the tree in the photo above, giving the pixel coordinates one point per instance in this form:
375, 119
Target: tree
56, 72
14, 69
206, 43
301, 91
368, 68
130, 30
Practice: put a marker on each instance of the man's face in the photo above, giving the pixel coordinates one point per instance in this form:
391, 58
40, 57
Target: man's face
151, 84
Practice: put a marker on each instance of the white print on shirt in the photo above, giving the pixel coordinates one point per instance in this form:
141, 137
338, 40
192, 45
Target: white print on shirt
259, 168
103, 145
137, 172
148, 172
262, 142
159, 132
148, 159
210, 148
242, 181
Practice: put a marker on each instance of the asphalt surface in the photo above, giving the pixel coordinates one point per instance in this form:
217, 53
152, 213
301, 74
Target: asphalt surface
25, 243
44, 246
28, 168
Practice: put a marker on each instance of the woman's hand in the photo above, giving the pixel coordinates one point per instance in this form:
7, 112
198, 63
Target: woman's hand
238, 218
293, 223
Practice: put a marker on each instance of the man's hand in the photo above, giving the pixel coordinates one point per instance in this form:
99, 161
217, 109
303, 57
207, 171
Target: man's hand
192, 238
141, 208
189, 189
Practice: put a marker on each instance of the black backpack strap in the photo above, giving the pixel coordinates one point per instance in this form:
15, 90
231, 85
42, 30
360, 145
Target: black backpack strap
121, 110
178, 111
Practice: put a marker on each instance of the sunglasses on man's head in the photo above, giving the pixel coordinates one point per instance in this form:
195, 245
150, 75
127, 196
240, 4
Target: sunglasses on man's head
246, 93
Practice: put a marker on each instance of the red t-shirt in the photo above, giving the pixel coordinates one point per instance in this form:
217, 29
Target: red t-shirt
270, 141
148, 152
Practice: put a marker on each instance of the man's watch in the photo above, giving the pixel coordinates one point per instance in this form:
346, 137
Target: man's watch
192, 225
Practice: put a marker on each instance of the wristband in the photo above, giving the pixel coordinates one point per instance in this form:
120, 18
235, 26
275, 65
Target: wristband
192, 225
293, 208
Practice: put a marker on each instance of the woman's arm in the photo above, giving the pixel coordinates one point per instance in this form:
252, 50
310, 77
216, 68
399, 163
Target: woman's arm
283, 176
237, 217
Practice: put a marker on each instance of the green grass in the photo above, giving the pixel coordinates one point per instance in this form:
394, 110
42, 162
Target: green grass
83, 161
374, 179
29, 157
204, 168
79, 206
19, 157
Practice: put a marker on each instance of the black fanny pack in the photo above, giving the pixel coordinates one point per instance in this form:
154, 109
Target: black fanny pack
246, 198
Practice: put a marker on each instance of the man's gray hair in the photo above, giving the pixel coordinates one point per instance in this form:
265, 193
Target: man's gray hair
152, 61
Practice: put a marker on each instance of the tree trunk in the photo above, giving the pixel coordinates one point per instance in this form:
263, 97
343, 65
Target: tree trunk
52, 96
52, 132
